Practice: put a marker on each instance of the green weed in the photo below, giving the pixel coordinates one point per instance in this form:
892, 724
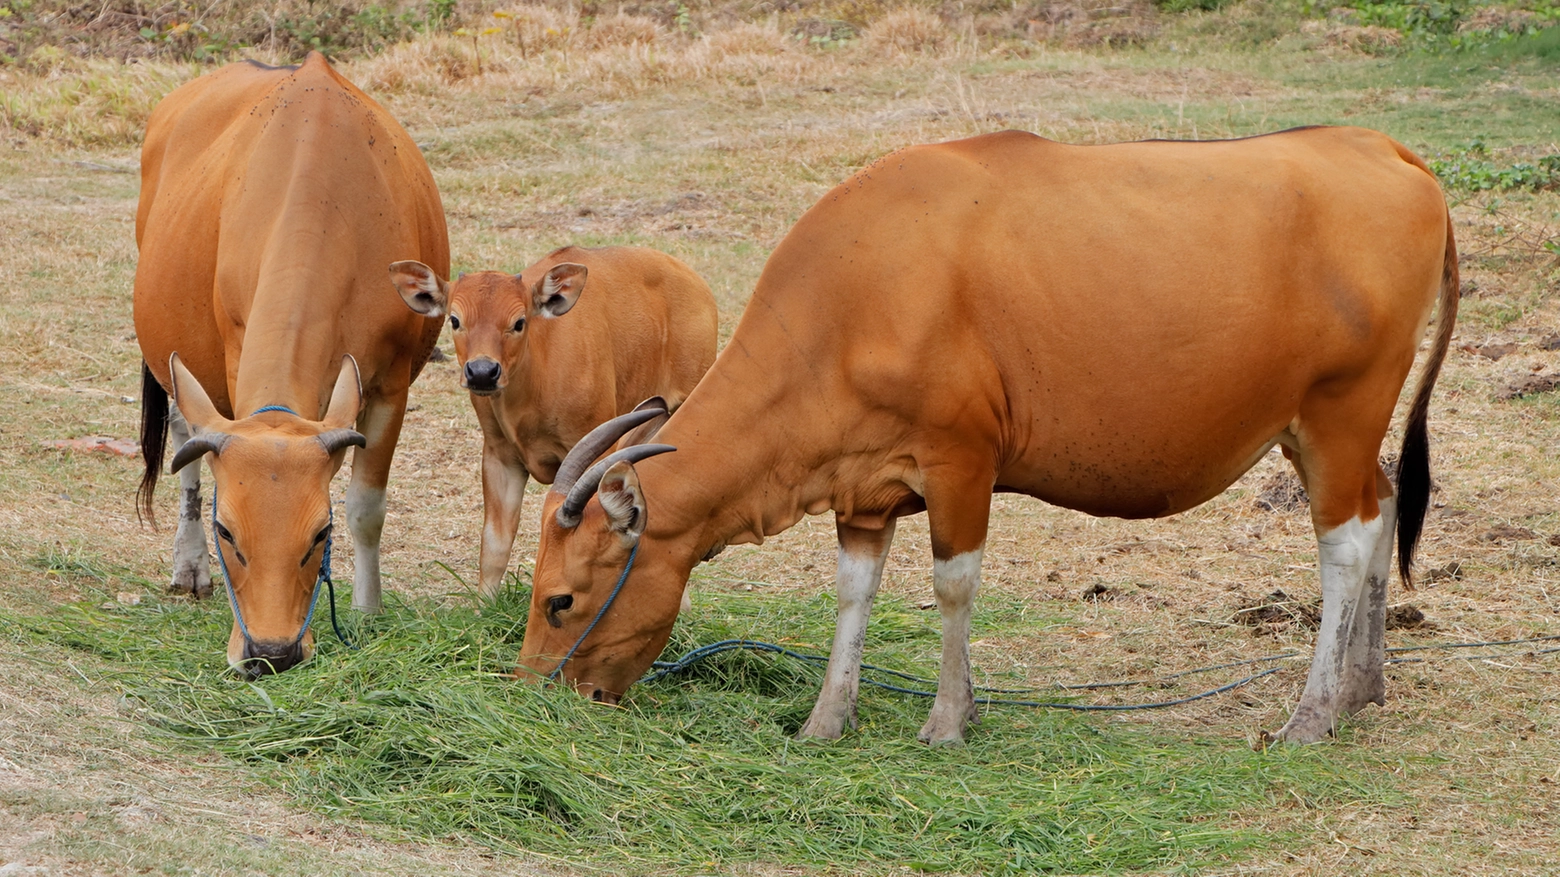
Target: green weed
424, 731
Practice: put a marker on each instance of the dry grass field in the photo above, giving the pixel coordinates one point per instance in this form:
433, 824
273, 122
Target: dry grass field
709, 148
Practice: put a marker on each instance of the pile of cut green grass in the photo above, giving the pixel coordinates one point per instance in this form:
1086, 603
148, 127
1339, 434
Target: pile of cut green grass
423, 731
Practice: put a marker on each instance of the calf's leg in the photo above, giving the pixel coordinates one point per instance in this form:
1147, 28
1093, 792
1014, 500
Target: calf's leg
503, 491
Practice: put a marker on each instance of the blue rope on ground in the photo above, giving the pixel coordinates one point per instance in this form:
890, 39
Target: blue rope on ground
664, 669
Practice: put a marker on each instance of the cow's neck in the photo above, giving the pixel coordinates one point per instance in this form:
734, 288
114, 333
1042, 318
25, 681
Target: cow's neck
286, 358
750, 461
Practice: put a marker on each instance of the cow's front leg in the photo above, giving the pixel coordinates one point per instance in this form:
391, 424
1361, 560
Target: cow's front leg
859, 571
503, 490
191, 562
380, 424
958, 507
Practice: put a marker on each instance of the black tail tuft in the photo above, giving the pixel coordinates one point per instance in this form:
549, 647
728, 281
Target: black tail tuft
1413, 481
1413, 488
154, 439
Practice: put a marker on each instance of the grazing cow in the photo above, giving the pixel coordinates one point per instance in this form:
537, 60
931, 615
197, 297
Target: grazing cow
538, 384
1119, 329
271, 199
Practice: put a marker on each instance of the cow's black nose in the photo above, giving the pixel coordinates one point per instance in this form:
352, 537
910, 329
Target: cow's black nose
482, 375
261, 658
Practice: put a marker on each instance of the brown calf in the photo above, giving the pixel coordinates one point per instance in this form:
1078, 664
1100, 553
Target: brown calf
271, 199
1120, 329
539, 383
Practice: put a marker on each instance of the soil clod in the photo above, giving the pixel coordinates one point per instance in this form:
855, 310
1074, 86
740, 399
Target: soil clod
1279, 610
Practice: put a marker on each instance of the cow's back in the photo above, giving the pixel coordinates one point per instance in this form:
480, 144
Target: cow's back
272, 199
1084, 312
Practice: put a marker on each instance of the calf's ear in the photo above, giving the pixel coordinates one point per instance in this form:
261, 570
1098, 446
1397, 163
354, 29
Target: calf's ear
423, 290
559, 289
621, 500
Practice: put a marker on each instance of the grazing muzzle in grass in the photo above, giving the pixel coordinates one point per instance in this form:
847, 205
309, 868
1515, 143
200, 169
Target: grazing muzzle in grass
271, 516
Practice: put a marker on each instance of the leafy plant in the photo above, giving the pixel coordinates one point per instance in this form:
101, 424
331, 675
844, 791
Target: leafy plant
1472, 169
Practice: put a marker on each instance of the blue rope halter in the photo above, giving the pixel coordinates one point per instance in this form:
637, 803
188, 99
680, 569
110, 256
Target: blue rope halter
611, 598
324, 576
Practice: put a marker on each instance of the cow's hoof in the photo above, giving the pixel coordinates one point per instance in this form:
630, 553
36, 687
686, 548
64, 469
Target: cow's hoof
191, 581
945, 727
827, 722
1306, 726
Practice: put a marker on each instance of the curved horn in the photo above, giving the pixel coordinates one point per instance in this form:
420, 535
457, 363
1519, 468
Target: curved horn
585, 488
197, 447
597, 440
336, 439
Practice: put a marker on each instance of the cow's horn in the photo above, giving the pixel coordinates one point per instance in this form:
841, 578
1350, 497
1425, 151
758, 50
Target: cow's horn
585, 488
197, 447
336, 439
594, 443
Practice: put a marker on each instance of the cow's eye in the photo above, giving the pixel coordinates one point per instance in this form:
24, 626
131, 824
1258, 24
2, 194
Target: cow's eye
560, 603
454, 323
319, 539
519, 325
226, 535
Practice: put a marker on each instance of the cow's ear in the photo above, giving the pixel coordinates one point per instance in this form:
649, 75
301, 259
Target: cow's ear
194, 404
559, 289
423, 290
621, 500
346, 397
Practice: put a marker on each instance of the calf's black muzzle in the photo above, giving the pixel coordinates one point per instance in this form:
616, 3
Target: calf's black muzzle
481, 376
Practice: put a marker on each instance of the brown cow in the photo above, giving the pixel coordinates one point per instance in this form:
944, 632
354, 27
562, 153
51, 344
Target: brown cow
538, 384
1119, 329
271, 199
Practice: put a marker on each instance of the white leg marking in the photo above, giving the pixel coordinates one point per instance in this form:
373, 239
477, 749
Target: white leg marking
366, 518
1363, 679
503, 491
955, 582
1345, 552
856, 583
191, 562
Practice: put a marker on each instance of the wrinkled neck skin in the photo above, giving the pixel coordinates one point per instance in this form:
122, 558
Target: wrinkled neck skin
751, 460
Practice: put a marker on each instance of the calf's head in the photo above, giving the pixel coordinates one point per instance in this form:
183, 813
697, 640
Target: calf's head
490, 313
593, 519
271, 509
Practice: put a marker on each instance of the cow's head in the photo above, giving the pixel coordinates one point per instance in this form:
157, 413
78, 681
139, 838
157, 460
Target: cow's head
490, 312
272, 510
592, 518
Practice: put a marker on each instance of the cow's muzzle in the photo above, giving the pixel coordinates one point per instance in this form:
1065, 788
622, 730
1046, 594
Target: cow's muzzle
481, 376
262, 657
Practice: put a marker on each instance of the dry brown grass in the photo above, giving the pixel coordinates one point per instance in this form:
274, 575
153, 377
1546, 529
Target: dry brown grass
908, 30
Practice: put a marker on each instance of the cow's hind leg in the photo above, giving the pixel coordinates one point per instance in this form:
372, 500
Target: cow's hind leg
958, 509
860, 570
1365, 681
191, 563
1354, 537
380, 423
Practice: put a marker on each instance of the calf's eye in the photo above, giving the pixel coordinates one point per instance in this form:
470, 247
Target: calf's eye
454, 323
519, 325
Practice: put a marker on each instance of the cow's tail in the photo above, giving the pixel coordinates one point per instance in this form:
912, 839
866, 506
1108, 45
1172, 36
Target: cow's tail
154, 439
1413, 481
